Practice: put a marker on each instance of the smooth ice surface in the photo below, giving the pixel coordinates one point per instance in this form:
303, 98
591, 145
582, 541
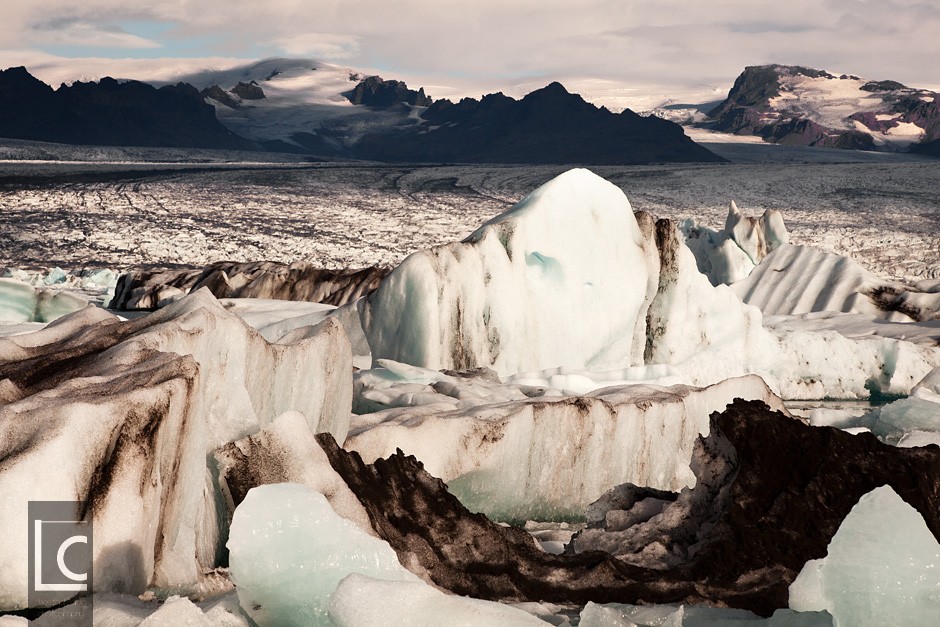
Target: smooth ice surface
561, 279
883, 568
362, 601
289, 550
624, 615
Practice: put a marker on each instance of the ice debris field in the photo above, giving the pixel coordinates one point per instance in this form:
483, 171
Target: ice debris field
581, 412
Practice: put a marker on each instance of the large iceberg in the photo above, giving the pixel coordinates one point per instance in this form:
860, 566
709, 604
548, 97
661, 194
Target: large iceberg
561, 279
882, 568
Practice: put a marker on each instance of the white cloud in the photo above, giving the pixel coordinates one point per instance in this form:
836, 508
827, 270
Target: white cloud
89, 35
319, 45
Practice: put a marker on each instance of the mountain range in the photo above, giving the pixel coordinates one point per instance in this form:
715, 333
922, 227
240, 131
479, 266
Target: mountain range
326, 112
110, 113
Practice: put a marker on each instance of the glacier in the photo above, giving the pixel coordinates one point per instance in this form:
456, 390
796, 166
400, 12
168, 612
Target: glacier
561, 363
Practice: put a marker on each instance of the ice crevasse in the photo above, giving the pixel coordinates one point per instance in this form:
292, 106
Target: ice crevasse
570, 277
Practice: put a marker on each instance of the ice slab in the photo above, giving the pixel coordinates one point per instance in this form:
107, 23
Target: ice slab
883, 568
803, 279
545, 458
289, 550
362, 601
624, 615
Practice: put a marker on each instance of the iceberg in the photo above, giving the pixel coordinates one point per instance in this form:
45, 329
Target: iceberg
20, 302
288, 551
570, 277
548, 457
122, 415
882, 568
561, 279
729, 255
284, 451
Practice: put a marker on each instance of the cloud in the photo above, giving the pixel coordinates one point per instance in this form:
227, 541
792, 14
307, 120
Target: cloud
84, 34
498, 43
319, 45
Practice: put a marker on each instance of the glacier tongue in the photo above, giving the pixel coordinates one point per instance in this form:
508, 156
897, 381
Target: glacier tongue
883, 568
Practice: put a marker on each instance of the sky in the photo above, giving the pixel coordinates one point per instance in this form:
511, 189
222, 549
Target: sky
687, 48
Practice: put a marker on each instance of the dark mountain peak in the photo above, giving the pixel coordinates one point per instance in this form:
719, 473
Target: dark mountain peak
552, 91
248, 91
549, 125
18, 79
220, 95
110, 112
373, 91
874, 86
801, 70
554, 88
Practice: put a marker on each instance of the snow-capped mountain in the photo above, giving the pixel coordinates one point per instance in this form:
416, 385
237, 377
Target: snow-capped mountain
333, 111
802, 106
